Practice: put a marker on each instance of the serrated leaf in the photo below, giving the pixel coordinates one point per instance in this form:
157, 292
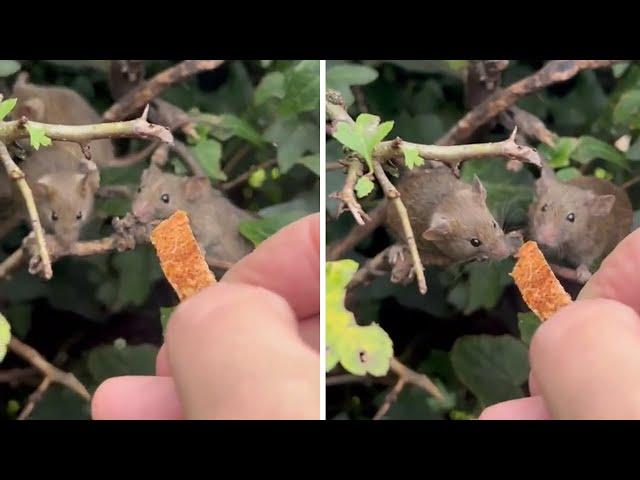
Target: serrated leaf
259, 230
8, 67
364, 135
241, 128
5, 336
364, 186
208, 153
301, 88
559, 155
37, 137
342, 77
165, 314
360, 349
271, 86
412, 158
528, 323
294, 140
6, 106
494, 368
627, 110
566, 174
590, 148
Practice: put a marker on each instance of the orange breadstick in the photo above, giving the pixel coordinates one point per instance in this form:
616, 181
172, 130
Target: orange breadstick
539, 287
180, 256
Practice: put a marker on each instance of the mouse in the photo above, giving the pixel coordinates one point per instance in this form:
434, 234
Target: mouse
450, 220
214, 218
63, 186
580, 221
60, 105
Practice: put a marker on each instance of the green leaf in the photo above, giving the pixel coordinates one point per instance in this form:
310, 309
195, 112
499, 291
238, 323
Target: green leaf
240, 128
360, 349
342, 77
271, 86
619, 69
137, 269
37, 137
301, 88
293, 139
559, 156
20, 315
627, 110
634, 150
8, 67
312, 162
364, 186
528, 323
259, 230
208, 153
165, 314
494, 368
590, 148
6, 106
364, 135
566, 174
109, 361
487, 282
412, 158
5, 336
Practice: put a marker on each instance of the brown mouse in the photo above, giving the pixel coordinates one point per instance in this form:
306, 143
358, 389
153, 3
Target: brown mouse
214, 219
60, 105
450, 219
580, 221
63, 186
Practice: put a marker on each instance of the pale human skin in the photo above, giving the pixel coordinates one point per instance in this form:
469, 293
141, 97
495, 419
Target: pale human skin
245, 348
585, 360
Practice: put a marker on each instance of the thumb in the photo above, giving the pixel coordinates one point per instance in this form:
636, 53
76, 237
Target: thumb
235, 353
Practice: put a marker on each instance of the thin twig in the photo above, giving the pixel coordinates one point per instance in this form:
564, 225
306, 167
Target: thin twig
34, 398
240, 179
374, 267
347, 196
553, 72
331, 166
630, 183
54, 374
394, 197
142, 94
188, 158
15, 376
406, 375
237, 157
531, 126
12, 263
340, 247
17, 176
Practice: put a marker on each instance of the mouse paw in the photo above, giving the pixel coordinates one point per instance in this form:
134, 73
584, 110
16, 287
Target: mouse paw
583, 274
395, 254
403, 272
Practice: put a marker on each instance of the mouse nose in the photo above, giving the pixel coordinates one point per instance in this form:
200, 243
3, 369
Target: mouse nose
143, 211
547, 235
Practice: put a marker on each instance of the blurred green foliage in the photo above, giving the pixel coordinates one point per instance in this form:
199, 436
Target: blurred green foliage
470, 333
101, 316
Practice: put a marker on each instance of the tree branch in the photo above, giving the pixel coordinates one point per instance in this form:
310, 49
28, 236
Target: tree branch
394, 197
347, 197
17, 176
553, 72
142, 94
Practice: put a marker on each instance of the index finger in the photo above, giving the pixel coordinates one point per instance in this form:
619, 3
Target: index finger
288, 263
618, 278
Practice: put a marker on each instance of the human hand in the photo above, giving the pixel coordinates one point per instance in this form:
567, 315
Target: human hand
245, 348
585, 360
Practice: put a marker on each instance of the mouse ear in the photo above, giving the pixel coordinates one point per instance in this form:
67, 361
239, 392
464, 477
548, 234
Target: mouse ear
43, 187
601, 205
478, 188
439, 229
90, 177
547, 178
195, 187
32, 108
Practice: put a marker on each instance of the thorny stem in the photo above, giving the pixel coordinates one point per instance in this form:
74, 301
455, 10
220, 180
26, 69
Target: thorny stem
17, 175
143, 93
394, 197
346, 195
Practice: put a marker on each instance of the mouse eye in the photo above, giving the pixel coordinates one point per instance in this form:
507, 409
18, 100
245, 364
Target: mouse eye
165, 197
475, 242
54, 216
544, 207
79, 216
571, 217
